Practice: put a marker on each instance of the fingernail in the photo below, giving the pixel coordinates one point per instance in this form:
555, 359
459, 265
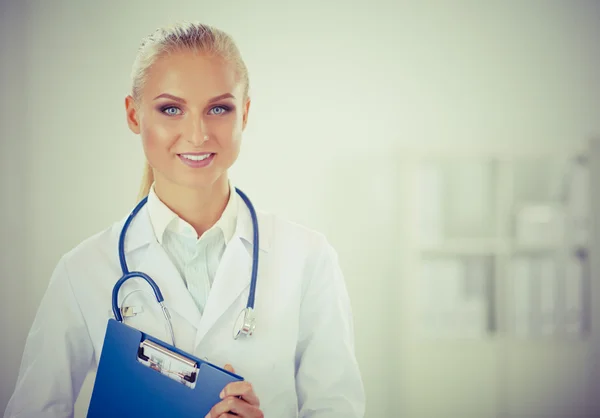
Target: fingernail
222, 394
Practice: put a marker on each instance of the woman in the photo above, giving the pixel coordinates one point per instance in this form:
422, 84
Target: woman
189, 103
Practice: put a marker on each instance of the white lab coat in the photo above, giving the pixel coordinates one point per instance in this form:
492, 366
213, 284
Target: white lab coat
300, 360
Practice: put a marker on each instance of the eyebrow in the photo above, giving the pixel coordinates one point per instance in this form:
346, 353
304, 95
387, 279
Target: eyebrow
180, 100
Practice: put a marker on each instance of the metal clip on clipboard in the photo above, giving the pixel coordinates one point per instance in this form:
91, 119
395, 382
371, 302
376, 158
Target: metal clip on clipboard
168, 363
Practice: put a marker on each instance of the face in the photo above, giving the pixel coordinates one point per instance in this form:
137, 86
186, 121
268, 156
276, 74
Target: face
190, 114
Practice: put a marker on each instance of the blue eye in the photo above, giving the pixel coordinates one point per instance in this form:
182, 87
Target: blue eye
222, 109
170, 110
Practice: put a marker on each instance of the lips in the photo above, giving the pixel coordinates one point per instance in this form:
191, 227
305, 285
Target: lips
196, 157
197, 160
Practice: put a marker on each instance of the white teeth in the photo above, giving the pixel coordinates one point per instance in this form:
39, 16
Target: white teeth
195, 157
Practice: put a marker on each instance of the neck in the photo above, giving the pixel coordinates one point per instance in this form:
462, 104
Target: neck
200, 207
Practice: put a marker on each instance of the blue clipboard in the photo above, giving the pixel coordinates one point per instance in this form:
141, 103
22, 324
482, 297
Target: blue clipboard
126, 387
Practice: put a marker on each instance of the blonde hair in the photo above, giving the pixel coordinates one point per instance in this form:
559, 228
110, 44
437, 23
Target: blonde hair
183, 36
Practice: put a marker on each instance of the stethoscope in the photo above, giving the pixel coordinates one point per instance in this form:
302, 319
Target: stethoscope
246, 321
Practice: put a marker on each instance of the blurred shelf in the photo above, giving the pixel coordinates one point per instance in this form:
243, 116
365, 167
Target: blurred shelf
480, 246
535, 341
423, 340
545, 249
553, 340
478, 217
466, 247
535, 248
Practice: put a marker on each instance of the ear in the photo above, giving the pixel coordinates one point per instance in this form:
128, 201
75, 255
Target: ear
246, 111
132, 115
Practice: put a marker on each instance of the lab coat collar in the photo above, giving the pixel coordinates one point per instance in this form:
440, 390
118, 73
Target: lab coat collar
163, 218
141, 233
232, 281
230, 287
244, 228
155, 262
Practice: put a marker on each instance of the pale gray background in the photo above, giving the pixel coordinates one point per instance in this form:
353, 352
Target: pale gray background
341, 91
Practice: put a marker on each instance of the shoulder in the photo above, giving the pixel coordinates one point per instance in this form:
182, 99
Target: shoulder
100, 247
285, 235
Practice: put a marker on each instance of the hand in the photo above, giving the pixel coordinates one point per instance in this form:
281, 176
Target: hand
239, 399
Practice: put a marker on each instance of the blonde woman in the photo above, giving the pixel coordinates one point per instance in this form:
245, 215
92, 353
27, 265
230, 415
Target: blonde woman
194, 236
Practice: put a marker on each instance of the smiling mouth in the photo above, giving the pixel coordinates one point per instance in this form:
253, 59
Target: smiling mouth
196, 157
197, 160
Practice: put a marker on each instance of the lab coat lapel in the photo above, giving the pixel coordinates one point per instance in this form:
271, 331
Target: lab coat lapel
232, 278
156, 263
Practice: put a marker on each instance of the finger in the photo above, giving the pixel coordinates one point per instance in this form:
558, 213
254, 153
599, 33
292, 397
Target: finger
229, 368
243, 389
235, 406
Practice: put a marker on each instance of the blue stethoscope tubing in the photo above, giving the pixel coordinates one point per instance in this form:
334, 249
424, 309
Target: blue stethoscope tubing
247, 321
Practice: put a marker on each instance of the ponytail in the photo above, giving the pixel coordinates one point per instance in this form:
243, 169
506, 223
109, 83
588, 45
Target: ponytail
147, 180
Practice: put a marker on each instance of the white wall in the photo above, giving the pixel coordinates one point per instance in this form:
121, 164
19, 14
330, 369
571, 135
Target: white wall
338, 89
16, 281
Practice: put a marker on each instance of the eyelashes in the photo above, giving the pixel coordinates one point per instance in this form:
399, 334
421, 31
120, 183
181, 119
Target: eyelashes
171, 110
166, 110
225, 109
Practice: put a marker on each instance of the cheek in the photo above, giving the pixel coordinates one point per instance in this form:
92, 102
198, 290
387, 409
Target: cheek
157, 138
229, 142
231, 132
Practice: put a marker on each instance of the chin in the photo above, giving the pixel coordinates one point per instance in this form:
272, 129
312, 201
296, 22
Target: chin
200, 178
198, 181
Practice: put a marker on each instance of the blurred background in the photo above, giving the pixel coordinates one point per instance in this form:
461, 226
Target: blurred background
446, 149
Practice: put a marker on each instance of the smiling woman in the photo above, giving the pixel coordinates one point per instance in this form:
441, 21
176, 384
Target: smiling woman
196, 235
190, 104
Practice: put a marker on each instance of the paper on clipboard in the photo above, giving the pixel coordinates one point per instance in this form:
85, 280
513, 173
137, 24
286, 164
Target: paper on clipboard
168, 363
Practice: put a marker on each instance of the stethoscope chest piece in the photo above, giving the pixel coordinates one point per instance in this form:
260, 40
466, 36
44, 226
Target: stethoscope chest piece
245, 324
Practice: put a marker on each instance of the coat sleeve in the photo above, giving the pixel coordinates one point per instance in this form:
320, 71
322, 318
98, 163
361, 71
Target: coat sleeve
57, 357
328, 379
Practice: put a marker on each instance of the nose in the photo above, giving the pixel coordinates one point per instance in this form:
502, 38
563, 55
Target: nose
198, 134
